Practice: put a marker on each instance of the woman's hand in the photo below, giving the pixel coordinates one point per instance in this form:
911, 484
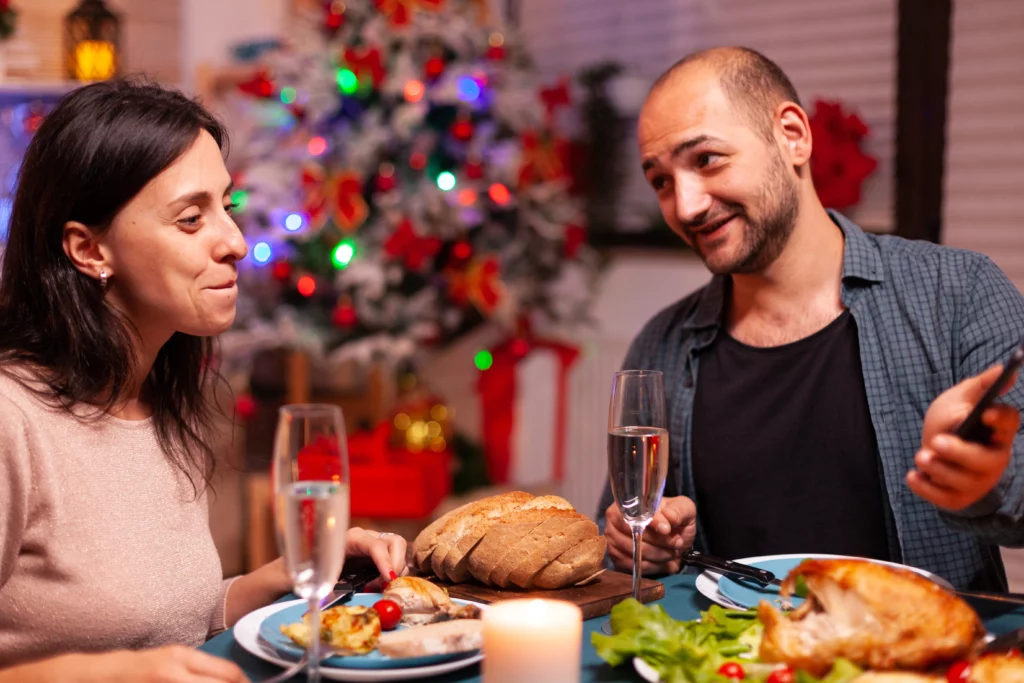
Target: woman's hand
386, 549
173, 664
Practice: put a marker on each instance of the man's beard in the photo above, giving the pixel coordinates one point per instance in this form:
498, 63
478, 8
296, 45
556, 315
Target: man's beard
765, 237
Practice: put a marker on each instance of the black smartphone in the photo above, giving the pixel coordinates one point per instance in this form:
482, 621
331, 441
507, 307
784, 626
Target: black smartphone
972, 428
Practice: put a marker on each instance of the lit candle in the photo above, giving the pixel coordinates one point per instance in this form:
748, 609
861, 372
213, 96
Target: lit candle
532, 641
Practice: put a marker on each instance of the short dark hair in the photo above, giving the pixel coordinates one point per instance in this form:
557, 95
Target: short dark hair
92, 154
751, 81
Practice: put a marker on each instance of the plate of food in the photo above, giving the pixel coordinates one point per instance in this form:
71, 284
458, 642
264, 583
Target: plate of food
861, 621
740, 593
411, 630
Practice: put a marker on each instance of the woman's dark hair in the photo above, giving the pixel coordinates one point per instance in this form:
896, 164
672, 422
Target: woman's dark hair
92, 154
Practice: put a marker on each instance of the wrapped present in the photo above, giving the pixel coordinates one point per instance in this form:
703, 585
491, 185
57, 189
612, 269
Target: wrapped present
394, 482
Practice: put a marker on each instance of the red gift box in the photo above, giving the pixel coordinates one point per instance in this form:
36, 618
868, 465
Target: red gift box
395, 483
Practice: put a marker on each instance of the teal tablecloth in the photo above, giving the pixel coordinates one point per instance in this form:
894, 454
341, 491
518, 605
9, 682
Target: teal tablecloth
681, 600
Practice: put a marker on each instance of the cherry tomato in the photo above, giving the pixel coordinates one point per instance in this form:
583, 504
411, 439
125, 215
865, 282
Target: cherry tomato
390, 613
958, 672
783, 675
732, 670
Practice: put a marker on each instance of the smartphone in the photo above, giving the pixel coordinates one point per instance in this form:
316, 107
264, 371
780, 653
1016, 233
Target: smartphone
972, 428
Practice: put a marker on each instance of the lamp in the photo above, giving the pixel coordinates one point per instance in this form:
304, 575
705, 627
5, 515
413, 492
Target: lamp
92, 42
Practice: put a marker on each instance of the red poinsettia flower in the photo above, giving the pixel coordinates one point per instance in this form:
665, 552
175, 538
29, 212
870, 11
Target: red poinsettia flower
838, 164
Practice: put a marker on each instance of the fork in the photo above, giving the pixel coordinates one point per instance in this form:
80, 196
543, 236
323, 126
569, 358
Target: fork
292, 670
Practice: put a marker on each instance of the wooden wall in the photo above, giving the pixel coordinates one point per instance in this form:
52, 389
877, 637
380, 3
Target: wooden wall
150, 36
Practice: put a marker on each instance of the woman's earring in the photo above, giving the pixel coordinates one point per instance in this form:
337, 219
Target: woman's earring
103, 280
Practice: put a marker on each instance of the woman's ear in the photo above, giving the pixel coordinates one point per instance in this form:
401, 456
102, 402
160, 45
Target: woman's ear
82, 247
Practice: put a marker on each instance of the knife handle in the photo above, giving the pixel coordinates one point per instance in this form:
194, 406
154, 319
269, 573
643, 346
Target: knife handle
359, 571
718, 564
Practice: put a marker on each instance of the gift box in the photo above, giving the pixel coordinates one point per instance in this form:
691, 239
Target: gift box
387, 482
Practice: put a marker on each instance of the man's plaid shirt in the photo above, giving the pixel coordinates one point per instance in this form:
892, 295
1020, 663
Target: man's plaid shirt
927, 317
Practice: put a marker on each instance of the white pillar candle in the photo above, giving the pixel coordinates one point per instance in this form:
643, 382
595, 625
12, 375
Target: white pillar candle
532, 641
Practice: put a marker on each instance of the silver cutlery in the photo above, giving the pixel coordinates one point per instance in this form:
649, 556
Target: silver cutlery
723, 566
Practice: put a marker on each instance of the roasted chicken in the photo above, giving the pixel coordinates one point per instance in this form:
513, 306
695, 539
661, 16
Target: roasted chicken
997, 669
986, 669
423, 602
877, 616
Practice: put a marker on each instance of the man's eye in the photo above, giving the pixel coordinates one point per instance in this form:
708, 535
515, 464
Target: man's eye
706, 159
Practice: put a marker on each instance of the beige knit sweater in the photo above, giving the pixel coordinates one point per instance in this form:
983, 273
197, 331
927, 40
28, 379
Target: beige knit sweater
102, 542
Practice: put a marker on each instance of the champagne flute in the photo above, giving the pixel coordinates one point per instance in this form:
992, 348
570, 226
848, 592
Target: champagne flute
311, 482
637, 452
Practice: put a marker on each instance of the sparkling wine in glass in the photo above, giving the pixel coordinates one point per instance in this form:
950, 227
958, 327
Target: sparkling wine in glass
637, 452
311, 482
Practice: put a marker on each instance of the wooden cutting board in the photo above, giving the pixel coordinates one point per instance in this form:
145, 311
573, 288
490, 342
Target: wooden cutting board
596, 599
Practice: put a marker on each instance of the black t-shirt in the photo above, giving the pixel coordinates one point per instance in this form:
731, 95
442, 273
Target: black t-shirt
784, 453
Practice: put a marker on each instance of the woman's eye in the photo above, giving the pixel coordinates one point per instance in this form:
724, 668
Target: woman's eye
231, 208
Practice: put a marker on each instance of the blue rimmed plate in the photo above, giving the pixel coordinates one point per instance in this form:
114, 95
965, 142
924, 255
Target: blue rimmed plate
269, 633
747, 593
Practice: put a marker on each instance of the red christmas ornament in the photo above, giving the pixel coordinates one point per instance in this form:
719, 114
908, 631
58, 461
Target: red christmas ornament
496, 53
462, 130
343, 315
462, 250
434, 68
386, 178
414, 250
33, 120
259, 85
282, 271
245, 407
418, 161
838, 165
334, 15
474, 169
519, 347
575, 236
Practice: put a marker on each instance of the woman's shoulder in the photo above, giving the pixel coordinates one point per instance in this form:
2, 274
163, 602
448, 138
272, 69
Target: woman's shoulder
24, 396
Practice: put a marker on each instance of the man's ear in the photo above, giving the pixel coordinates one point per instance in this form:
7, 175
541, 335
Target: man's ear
82, 247
796, 132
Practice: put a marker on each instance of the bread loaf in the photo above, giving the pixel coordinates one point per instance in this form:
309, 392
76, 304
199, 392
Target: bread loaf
513, 539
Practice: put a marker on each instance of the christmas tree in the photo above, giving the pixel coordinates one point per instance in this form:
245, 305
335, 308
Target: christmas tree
400, 180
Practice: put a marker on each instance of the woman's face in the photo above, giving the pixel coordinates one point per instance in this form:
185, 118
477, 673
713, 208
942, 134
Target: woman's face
172, 249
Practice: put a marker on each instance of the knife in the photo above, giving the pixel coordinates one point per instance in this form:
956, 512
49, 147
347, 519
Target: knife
723, 566
354, 576
1007, 641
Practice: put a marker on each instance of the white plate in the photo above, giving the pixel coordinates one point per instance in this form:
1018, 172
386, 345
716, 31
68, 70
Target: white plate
247, 630
645, 670
707, 581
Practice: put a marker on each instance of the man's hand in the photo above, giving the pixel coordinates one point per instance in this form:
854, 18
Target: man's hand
669, 534
953, 473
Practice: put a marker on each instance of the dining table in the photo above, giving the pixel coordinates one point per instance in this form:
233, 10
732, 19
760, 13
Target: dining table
682, 601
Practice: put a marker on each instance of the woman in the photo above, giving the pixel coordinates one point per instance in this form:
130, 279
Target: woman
119, 268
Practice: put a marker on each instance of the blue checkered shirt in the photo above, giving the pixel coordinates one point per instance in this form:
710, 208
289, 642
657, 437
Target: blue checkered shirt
927, 317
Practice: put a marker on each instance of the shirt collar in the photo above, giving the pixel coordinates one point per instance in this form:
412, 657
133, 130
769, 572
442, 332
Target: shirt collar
861, 261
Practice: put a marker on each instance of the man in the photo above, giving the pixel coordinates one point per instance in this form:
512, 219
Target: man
802, 380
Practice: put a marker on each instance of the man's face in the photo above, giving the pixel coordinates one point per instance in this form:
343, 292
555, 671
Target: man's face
721, 185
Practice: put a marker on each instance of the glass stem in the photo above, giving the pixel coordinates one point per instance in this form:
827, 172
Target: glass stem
638, 533
313, 651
